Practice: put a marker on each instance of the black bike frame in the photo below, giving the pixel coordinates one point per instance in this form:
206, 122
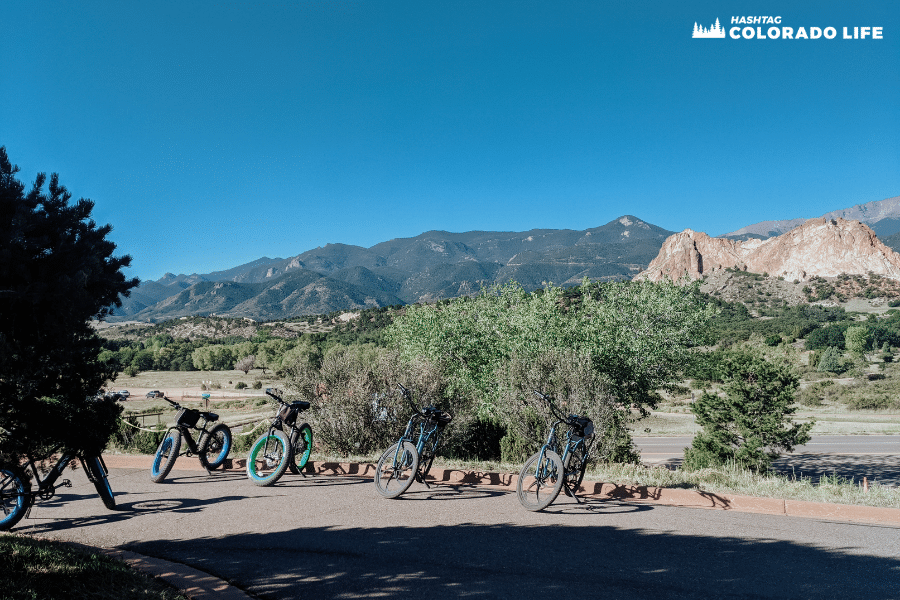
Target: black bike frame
46, 486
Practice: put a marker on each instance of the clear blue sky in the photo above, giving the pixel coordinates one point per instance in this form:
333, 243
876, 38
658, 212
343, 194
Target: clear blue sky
210, 134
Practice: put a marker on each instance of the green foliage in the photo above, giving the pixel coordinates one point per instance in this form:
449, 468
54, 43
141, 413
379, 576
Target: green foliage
831, 361
750, 422
638, 335
856, 339
57, 271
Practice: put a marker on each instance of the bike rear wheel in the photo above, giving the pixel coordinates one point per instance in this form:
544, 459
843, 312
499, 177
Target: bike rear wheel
215, 445
577, 465
98, 476
540, 480
301, 447
15, 496
269, 457
165, 456
396, 470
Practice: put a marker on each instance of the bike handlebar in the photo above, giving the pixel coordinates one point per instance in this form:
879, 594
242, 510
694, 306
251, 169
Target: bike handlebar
554, 410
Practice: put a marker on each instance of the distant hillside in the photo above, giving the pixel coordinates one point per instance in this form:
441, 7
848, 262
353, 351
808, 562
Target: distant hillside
430, 266
882, 216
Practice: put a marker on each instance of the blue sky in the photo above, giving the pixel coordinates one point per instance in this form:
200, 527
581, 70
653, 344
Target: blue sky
210, 134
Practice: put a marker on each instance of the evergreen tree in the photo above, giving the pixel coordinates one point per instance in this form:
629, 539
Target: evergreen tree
57, 271
750, 423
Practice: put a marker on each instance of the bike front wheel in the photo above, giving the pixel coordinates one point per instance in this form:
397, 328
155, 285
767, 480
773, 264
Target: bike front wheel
165, 456
15, 496
98, 476
215, 445
396, 469
269, 457
301, 446
540, 480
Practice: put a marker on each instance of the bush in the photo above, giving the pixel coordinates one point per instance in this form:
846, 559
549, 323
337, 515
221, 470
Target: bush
240, 385
831, 361
257, 385
355, 404
578, 389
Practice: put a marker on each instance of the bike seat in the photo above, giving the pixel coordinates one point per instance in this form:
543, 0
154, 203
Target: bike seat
210, 417
299, 405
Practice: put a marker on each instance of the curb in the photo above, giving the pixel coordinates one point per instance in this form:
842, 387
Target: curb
597, 490
193, 583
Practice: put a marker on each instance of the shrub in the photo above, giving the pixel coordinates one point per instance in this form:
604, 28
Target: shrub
240, 385
578, 389
831, 361
257, 385
355, 404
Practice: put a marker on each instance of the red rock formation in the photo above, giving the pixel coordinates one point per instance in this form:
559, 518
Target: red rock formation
824, 247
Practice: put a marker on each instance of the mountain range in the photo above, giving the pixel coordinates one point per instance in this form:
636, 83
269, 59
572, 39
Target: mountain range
428, 267
439, 264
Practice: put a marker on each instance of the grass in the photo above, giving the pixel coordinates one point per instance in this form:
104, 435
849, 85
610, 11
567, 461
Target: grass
729, 479
32, 569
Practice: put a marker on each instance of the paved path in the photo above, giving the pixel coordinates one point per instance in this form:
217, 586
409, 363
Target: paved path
334, 537
876, 457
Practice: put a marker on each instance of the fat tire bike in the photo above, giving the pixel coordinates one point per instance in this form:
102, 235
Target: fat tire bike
554, 467
286, 444
17, 496
411, 456
211, 449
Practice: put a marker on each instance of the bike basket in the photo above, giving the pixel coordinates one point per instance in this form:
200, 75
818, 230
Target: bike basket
583, 426
287, 414
187, 417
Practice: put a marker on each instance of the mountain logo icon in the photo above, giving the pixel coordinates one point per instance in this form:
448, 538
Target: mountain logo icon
714, 31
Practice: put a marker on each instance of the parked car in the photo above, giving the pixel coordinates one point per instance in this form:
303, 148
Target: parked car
124, 393
155, 394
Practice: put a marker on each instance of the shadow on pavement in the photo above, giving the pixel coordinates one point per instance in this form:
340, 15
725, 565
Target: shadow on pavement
528, 561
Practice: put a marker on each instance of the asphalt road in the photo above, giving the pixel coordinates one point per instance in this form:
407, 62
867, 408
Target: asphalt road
876, 457
334, 537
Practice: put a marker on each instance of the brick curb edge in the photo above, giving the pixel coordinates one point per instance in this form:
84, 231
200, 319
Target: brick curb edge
598, 490
193, 583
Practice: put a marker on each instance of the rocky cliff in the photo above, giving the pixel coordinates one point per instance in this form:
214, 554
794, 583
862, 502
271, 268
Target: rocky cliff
823, 247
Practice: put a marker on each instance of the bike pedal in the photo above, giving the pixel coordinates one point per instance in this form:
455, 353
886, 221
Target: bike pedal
64, 483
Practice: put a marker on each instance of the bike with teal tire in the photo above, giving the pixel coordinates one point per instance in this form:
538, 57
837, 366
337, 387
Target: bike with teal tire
410, 458
286, 445
211, 448
558, 465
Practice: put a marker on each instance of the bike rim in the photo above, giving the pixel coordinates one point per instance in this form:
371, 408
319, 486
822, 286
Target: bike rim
162, 454
262, 446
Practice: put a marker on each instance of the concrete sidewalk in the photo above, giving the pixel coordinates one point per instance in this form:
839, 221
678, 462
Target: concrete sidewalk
599, 490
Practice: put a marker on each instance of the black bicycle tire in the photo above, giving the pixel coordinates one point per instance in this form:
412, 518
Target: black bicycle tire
526, 474
283, 458
98, 477
387, 458
297, 464
574, 477
162, 464
207, 438
14, 484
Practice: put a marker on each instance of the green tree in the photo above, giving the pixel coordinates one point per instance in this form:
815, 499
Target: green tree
635, 337
831, 361
749, 423
57, 271
856, 339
